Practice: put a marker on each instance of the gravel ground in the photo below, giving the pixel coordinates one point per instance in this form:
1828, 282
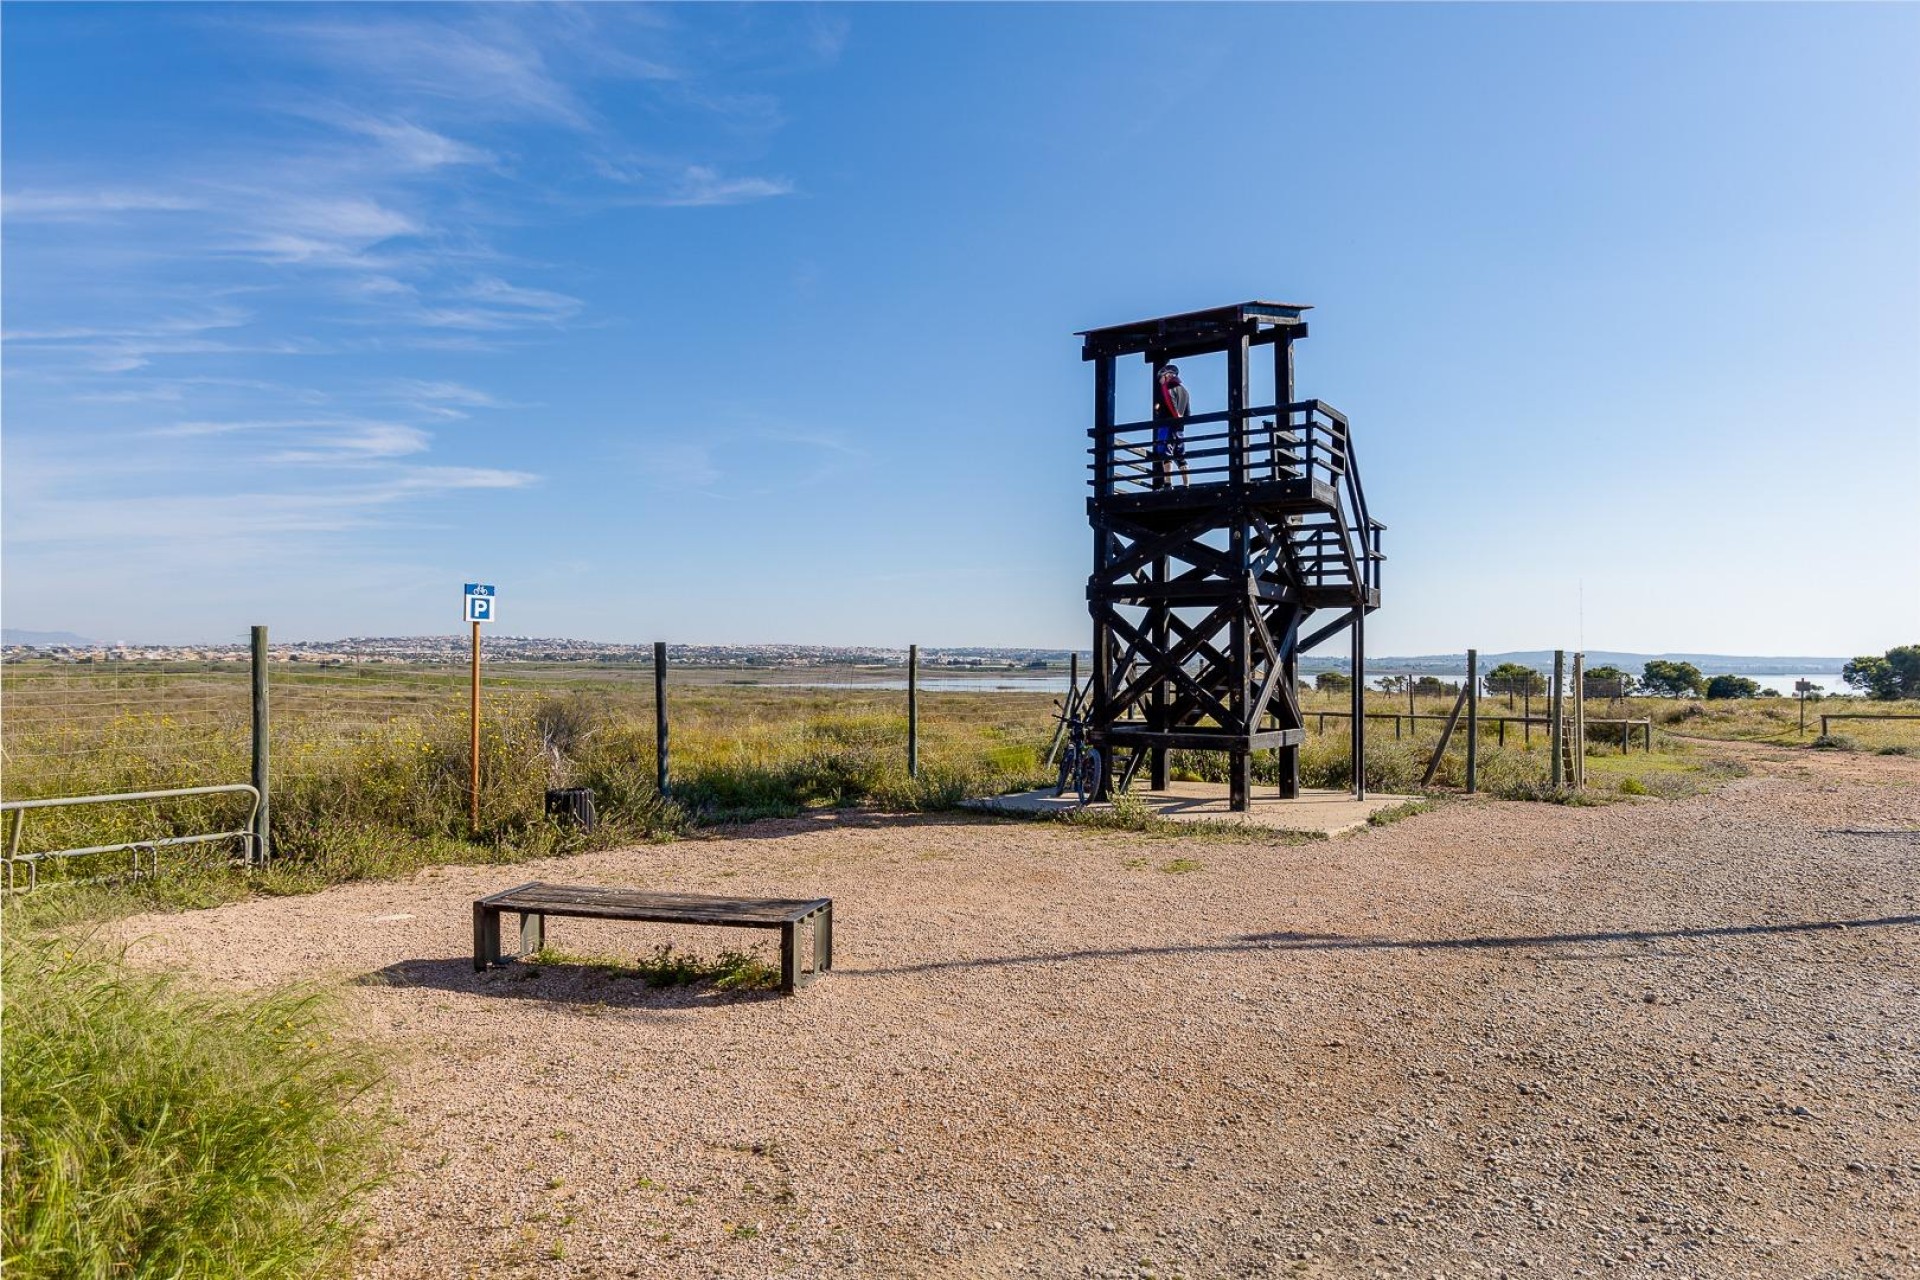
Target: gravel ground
1498, 1039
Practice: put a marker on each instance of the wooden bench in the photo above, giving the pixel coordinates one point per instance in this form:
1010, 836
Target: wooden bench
536, 901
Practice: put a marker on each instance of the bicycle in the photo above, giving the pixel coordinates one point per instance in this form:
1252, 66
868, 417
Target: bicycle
1080, 764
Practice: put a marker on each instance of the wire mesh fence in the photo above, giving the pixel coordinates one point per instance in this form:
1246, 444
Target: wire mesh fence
370, 754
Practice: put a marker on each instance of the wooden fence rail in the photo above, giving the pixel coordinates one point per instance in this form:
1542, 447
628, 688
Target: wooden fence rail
1861, 715
1645, 725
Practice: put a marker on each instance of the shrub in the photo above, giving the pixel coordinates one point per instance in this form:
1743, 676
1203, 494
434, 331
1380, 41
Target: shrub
152, 1131
1833, 742
1732, 687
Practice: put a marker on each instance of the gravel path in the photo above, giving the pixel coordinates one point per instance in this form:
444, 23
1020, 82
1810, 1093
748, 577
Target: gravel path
1498, 1039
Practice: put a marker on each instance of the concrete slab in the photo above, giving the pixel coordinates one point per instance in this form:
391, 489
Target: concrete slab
1328, 813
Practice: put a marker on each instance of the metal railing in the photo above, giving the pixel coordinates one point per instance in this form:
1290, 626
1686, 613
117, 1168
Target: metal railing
248, 834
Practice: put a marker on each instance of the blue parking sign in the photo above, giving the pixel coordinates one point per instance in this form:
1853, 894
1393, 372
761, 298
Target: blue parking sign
479, 597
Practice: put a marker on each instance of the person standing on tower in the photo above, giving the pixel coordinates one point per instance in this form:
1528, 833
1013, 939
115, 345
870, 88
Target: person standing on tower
1170, 407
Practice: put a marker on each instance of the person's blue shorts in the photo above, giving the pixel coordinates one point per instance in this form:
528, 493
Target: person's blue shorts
1167, 443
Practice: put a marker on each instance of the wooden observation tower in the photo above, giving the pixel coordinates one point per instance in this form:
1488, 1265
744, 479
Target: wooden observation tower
1208, 585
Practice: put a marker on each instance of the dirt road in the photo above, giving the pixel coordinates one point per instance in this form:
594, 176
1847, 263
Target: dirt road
1518, 1039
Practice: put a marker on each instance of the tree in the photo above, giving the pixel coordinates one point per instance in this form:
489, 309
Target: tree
1672, 679
1896, 674
1905, 661
1873, 676
1332, 682
1608, 682
1511, 678
1732, 687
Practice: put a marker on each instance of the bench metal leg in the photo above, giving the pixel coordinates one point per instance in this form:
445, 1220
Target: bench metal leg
790, 977
486, 936
823, 941
533, 932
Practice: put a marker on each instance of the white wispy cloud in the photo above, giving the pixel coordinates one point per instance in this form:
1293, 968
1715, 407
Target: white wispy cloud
698, 185
490, 303
485, 67
162, 521
440, 399
320, 228
325, 440
87, 205
221, 317
406, 144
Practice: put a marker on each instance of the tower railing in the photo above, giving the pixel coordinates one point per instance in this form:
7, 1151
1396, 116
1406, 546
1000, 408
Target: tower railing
1303, 441
1299, 447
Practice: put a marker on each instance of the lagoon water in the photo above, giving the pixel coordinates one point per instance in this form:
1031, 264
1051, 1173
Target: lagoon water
1052, 683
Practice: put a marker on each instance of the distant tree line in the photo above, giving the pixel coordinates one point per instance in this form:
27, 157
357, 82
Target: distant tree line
1894, 674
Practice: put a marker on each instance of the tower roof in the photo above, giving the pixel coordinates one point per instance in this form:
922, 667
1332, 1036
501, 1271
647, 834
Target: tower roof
1192, 329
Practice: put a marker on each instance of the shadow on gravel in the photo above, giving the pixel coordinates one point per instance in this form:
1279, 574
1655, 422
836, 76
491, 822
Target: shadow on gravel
851, 820
1258, 942
590, 985
577, 984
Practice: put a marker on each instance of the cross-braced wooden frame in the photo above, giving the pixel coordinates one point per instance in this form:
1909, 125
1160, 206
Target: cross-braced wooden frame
1203, 593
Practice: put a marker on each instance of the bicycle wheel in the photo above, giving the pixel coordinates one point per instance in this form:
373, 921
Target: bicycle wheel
1087, 776
1068, 760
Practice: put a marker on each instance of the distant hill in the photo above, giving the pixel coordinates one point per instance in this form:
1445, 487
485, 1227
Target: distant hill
9, 635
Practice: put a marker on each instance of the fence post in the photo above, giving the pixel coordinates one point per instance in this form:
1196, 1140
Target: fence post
1577, 758
262, 831
1473, 721
660, 716
1556, 709
1823, 726
913, 711
1359, 725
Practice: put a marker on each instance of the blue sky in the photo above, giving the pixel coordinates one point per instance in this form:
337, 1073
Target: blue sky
743, 324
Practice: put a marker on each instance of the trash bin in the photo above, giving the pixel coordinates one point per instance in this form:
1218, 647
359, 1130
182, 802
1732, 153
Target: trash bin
571, 806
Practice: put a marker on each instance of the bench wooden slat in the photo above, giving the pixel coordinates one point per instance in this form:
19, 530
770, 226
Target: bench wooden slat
659, 908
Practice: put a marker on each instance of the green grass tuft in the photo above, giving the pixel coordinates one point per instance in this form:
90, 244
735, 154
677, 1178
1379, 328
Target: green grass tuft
152, 1131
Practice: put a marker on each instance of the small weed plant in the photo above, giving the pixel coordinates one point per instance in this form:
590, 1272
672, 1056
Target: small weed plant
730, 970
1399, 812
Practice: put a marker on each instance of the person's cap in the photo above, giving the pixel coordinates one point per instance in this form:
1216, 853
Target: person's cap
1170, 368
